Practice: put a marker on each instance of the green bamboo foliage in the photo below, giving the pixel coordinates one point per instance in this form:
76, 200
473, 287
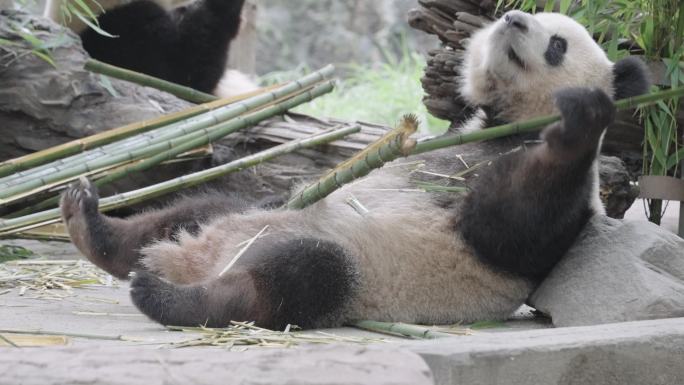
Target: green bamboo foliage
182, 92
403, 329
165, 150
394, 144
167, 133
16, 225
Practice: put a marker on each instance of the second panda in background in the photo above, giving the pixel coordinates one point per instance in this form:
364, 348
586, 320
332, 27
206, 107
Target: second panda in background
187, 45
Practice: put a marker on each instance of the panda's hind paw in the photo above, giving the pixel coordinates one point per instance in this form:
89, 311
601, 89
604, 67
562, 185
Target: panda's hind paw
80, 198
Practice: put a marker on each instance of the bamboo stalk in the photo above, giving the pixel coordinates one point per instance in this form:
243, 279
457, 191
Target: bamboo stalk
11, 226
403, 329
166, 150
183, 92
535, 124
14, 166
392, 145
177, 129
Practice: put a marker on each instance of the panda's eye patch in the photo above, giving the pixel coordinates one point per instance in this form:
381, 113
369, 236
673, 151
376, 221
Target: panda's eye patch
556, 50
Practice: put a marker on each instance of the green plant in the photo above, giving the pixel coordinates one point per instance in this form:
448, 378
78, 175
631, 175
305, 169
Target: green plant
654, 29
378, 93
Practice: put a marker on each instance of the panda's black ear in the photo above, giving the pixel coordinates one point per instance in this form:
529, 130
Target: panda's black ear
631, 78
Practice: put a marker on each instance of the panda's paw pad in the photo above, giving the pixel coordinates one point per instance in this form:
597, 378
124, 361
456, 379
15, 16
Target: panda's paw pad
79, 199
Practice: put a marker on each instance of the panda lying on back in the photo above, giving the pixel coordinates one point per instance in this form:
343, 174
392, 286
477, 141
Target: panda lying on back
432, 258
187, 45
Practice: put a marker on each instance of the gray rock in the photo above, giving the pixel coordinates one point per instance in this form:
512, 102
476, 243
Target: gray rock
628, 353
617, 271
331, 365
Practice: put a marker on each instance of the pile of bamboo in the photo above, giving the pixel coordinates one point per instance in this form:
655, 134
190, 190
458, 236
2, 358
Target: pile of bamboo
37, 179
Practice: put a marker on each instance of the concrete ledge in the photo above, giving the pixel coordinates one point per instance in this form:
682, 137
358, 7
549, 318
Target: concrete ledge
130, 365
639, 353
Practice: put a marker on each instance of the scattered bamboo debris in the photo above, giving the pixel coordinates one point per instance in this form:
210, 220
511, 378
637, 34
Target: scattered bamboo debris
242, 251
32, 340
68, 334
52, 279
244, 334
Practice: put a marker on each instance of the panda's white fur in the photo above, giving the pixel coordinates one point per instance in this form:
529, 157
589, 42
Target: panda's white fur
412, 257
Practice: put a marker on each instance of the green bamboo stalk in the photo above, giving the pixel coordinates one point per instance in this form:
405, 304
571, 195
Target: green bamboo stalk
360, 165
175, 130
11, 226
535, 124
174, 146
391, 146
14, 166
403, 329
182, 92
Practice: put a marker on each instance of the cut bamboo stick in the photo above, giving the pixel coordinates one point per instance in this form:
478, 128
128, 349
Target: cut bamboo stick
391, 146
183, 92
177, 129
14, 166
403, 329
535, 124
15, 225
174, 146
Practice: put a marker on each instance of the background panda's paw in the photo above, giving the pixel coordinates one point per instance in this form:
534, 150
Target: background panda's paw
79, 199
585, 109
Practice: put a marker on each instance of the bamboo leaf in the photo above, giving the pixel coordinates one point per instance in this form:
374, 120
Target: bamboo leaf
89, 23
45, 57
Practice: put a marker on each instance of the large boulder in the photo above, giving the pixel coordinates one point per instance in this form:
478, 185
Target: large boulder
617, 271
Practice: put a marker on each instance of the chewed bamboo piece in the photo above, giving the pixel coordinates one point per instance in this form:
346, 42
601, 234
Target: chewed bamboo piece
402, 329
394, 144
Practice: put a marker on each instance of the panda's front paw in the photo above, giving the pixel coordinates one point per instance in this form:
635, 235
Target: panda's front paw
585, 114
585, 109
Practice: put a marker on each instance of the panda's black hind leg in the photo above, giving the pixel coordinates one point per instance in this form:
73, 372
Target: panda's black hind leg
305, 282
114, 244
525, 211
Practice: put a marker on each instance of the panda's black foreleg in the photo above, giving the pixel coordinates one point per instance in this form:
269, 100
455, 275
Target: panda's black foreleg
204, 32
304, 282
526, 210
114, 244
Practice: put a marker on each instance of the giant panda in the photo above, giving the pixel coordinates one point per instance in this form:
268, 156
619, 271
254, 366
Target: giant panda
187, 44
410, 256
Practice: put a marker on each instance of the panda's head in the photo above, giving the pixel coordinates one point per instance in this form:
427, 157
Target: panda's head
513, 66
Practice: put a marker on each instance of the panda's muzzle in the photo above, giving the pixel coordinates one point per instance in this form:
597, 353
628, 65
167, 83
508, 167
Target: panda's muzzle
516, 19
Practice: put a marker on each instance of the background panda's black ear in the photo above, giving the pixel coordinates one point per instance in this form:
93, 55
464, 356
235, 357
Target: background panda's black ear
631, 78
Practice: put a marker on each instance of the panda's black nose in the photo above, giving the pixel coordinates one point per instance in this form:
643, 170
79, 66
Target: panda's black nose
516, 19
